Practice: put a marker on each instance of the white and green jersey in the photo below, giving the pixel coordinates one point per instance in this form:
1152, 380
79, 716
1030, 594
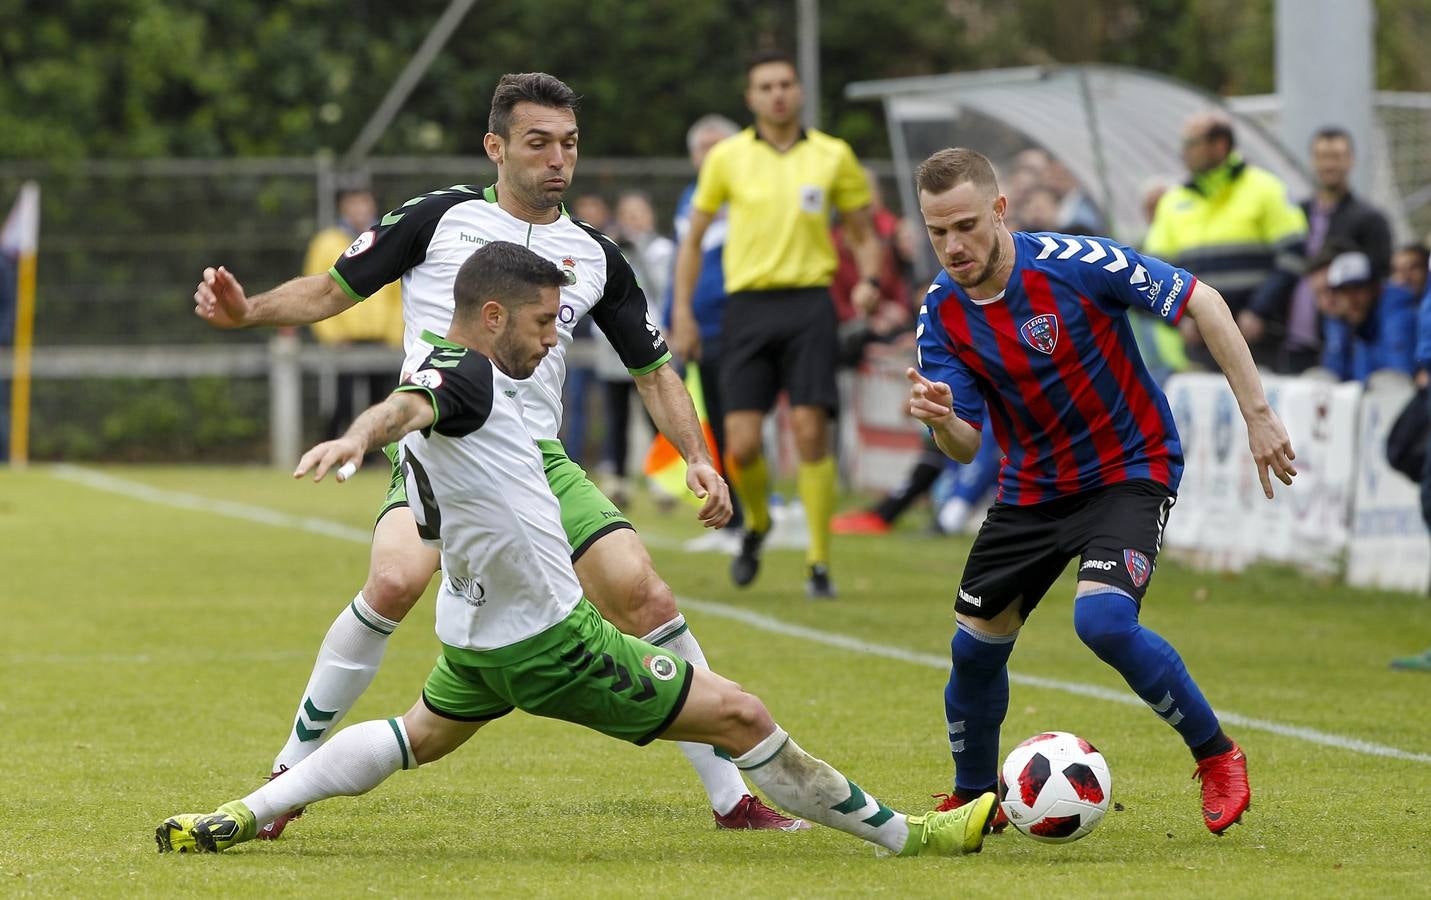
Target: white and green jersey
476, 487
427, 239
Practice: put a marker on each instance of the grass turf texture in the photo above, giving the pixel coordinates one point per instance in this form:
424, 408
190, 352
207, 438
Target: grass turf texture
153, 655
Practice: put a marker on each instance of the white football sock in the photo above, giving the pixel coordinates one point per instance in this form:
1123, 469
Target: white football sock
346, 665
813, 789
353, 762
721, 779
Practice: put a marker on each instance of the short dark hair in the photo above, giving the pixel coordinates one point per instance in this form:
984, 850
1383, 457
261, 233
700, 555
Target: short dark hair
505, 272
953, 166
1221, 130
767, 55
1334, 133
1416, 247
527, 87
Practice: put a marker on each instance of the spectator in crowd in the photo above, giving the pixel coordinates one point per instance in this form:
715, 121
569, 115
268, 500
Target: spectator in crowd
1422, 661
377, 321
1039, 210
708, 301
1408, 268
1077, 213
1230, 224
892, 313
1367, 324
781, 182
651, 256
581, 360
1333, 213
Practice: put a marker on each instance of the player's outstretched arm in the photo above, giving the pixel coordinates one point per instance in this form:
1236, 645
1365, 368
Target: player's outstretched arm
220, 300
1267, 438
932, 402
378, 426
665, 397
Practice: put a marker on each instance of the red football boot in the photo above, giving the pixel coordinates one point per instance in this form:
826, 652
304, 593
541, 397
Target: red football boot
858, 522
1225, 794
951, 801
750, 813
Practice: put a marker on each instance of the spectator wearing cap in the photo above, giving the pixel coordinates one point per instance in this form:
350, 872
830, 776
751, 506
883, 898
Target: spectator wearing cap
1367, 325
1333, 213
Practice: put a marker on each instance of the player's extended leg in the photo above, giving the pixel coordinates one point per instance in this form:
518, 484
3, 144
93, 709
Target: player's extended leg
399, 569
719, 712
354, 761
1106, 619
816, 481
619, 579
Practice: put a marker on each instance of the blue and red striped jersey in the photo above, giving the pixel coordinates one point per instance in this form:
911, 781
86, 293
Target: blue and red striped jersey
1054, 361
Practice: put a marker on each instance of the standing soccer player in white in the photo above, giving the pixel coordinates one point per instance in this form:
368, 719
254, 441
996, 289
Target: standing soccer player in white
515, 629
532, 139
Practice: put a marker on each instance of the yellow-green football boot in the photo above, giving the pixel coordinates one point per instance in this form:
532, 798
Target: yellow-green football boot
230, 824
952, 833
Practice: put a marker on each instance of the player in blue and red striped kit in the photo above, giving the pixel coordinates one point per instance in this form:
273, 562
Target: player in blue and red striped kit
1035, 328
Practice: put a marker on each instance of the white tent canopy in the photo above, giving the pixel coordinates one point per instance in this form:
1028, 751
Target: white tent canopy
1115, 129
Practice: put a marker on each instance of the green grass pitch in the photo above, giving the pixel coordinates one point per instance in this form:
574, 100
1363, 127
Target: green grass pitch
155, 646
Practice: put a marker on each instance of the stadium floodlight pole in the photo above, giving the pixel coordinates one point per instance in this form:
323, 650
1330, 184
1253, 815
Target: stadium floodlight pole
808, 53
416, 67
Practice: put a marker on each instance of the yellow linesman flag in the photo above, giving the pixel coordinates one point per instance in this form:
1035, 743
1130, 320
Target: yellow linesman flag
665, 468
19, 239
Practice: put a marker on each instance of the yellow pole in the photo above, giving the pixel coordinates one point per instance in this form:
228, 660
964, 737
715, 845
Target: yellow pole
20, 384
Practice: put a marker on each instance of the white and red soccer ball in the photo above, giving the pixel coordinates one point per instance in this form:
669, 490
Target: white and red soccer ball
1056, 787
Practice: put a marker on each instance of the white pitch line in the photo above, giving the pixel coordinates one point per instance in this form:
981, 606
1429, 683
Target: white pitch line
148, 493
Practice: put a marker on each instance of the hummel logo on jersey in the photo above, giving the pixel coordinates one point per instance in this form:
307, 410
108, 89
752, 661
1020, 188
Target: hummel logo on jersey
1041, 333
471, 238
970, 598
1096, 251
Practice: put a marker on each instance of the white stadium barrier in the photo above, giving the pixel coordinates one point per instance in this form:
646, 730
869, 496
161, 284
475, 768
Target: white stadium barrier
1347, 504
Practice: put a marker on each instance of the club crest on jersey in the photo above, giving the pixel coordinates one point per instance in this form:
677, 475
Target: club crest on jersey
1138, 567
568, 270
1041, 333
663, 667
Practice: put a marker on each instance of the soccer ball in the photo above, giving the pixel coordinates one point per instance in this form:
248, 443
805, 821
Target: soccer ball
1055, 787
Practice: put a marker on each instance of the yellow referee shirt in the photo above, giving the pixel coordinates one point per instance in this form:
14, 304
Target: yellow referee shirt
779, 207
378, 318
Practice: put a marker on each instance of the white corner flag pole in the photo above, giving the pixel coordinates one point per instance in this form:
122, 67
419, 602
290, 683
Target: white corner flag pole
21, 237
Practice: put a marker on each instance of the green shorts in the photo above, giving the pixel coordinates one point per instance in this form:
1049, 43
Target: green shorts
580, 670
586, 513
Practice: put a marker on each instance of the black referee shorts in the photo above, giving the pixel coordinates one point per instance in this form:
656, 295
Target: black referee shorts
773, 340
1115, 532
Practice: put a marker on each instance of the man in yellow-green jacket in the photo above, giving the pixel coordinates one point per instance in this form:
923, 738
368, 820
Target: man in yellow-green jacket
1232, 225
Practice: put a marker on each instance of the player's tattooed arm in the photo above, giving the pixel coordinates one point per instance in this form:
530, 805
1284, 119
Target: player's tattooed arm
378, 426
221, 301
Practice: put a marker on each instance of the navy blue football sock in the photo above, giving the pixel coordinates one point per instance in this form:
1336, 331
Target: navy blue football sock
1107, 621
975, 703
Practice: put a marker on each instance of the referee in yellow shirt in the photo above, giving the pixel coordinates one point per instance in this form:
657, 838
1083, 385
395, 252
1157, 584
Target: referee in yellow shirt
779, 182
377, 320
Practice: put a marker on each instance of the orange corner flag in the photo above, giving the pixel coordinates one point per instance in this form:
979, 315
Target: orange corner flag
665, 468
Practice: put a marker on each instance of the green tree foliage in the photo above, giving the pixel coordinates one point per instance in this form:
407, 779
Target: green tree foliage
143, 78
